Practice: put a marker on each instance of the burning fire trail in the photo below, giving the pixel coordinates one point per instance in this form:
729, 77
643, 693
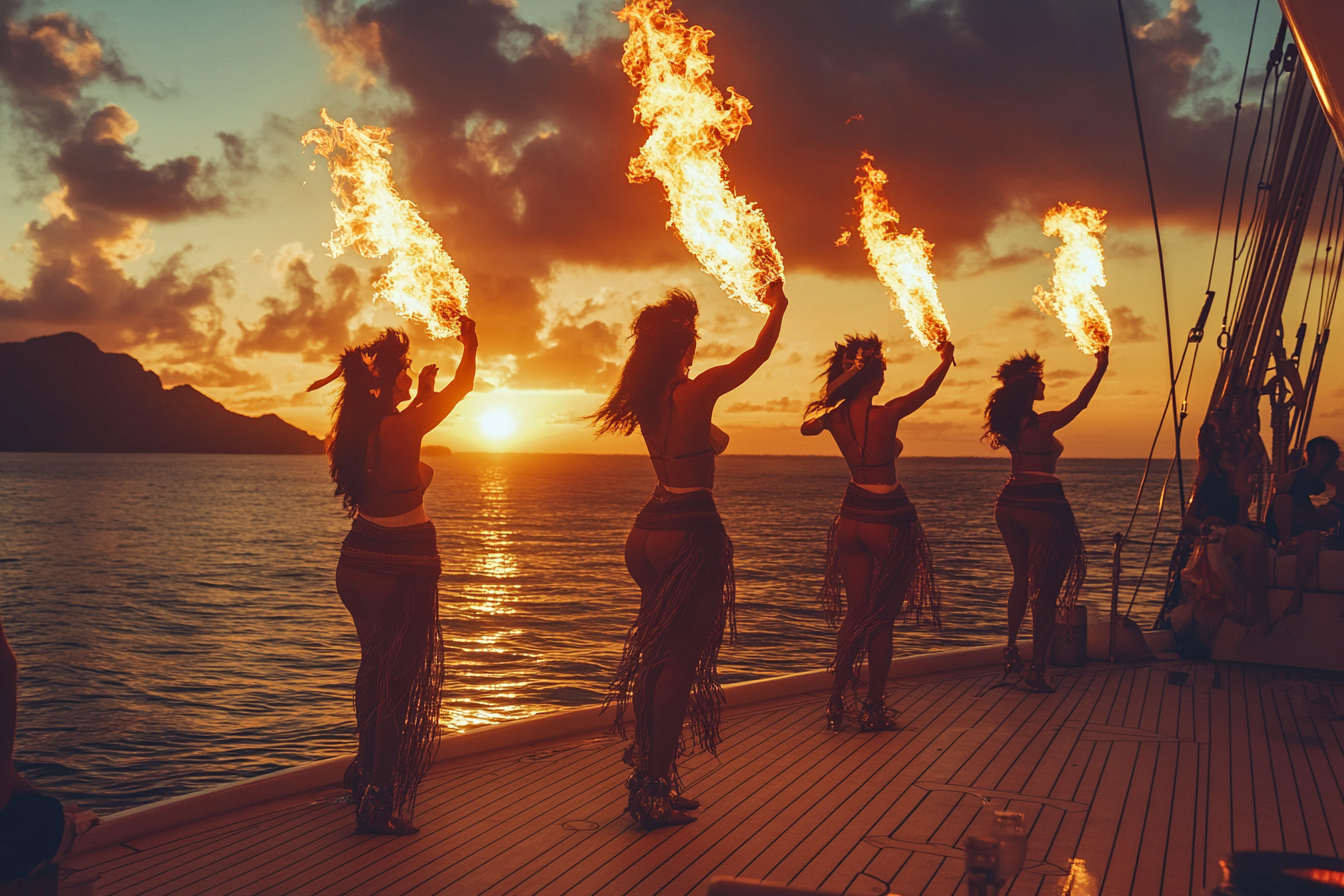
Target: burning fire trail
421, 281
689, 125
1079, 271
902, 262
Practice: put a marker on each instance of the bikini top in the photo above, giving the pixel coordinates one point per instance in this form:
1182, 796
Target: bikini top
377, 488
1054, 451
863, 463
718, 439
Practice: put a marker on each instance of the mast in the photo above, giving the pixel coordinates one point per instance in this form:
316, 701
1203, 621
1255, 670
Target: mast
1256, 339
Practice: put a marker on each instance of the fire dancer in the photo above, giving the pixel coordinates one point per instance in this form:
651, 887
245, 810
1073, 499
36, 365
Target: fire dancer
388, 574
1034, 517
876, 547
677, 553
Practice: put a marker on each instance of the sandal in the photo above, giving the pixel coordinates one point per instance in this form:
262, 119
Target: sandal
835, 713
636, 782
652, 804
1012, 660
873, 716
1034, 679
374, 815
354, 781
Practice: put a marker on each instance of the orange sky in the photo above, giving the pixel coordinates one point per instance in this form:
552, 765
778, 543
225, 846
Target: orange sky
165, 208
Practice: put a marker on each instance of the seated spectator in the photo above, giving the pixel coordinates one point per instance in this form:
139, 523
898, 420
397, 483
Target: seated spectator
1235, 553
1299, 522
31, 825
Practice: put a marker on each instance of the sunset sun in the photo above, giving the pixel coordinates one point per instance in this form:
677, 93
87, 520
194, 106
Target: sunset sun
497, 424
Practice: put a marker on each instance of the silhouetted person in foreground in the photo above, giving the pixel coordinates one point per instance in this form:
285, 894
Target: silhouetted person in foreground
678, 552
1300, 523
1033, 516
388, 574
876, 548
31, 824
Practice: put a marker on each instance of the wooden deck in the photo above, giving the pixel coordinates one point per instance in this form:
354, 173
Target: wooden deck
1147, 779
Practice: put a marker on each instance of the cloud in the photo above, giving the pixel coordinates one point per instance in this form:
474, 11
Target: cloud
45, 63
312, 323
717, 351
516, 142
974, 264
97, 169
101, 210
573, 356
1128, 326
781, 405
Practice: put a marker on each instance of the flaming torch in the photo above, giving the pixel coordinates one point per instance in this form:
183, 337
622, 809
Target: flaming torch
1079, 270
421, 281
902, 262
689, 124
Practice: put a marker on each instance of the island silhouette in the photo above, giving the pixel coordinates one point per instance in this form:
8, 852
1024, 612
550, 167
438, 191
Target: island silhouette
62, 393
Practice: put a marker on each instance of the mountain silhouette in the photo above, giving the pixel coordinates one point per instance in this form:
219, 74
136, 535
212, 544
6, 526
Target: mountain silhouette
62, 393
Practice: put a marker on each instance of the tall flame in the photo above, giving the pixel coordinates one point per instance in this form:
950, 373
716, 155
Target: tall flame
421, 281
1079, 270
689, 124
902, 262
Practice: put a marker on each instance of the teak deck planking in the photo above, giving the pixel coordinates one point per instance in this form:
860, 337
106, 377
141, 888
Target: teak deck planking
1147, 781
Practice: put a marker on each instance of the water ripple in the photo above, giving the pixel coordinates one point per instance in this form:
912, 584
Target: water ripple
177, 627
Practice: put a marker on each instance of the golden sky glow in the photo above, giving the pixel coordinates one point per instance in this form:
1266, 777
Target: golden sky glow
164, 207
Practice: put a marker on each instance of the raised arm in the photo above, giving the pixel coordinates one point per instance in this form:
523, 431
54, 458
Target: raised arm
424, 414
815, 426
727, 377
906, 405
1050, 421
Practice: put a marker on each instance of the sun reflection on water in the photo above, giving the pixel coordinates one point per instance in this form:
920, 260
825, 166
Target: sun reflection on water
484, 683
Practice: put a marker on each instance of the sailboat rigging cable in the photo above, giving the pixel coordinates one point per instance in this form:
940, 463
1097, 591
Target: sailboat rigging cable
1266, 252
1157, 232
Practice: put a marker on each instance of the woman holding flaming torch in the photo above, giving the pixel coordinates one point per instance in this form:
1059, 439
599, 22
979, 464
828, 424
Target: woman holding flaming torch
876, 548
388, 574
1034, 517
678, 552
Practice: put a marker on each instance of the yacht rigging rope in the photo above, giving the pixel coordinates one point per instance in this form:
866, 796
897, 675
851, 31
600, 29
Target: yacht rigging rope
1157, 232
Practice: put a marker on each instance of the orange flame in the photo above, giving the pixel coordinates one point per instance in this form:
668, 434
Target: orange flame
689, 125
421, 281
902, 262
1079, 270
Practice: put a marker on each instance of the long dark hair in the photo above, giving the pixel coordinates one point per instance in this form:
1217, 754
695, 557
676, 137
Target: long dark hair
662, 332
862, 352
368, 385
1010, 403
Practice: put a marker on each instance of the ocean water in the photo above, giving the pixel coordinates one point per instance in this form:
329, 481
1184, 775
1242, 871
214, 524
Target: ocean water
177, 626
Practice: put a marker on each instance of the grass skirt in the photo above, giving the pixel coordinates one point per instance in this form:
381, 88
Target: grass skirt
905, 559
701, 568
409, 630
1059, 554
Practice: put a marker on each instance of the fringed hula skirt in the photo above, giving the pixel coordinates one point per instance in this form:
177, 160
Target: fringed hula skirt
700, 570
1059, 556
902, 585
402, 663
